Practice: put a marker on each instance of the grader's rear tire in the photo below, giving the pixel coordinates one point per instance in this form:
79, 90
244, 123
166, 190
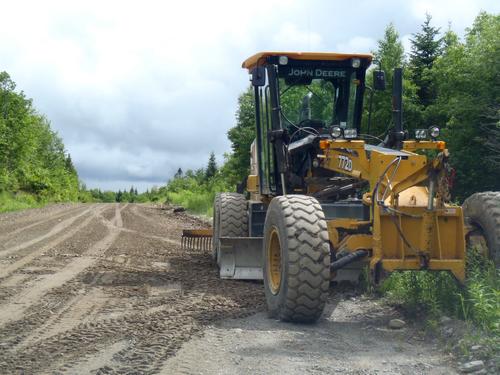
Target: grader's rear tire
230, 219
296, 257
483, 210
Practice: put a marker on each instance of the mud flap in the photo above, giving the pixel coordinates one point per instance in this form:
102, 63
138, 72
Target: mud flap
240, 258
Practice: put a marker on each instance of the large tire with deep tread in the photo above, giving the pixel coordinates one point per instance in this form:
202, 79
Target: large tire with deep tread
215, 227
230, 219
483, 210
299, 223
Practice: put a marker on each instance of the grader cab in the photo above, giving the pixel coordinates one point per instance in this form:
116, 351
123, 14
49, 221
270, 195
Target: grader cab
325, 200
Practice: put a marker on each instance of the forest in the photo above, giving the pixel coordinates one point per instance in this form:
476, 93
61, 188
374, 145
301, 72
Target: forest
34, 165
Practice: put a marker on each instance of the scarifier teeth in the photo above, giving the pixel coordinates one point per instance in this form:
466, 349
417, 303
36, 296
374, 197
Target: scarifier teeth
196, 239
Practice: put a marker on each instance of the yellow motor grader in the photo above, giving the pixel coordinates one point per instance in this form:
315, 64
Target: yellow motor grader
325, 201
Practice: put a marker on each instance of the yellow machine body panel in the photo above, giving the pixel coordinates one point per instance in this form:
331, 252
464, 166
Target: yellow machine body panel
408, 232
259, 58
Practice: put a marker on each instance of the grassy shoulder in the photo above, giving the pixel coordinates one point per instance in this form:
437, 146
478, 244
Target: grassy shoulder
195, 193
434, 295
19, 201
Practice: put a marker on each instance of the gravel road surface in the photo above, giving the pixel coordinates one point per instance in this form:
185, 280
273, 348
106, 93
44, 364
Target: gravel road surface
106, 289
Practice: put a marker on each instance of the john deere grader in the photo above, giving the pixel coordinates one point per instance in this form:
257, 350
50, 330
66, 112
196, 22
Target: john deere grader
325, 200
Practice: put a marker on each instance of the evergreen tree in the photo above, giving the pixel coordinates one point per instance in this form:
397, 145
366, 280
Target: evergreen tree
237, 165
211, 166
69, 165
178, 174
467, 76
426, 46
390, 54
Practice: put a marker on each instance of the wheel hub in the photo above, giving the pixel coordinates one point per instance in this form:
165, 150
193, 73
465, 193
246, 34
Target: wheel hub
274, 261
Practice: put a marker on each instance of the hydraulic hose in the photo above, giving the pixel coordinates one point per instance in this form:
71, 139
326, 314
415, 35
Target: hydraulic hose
349, 258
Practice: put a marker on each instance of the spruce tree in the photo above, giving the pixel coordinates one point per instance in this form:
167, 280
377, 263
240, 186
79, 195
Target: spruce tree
69, 165
211, 167
426, 46
178, 174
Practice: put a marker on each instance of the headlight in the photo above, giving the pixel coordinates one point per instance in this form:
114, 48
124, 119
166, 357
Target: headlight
336, 132
356, 63
350, 133
283, 60
434, 131
421, 133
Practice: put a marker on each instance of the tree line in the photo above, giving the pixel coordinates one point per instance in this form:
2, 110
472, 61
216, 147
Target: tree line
33, 160
455, 85
449, 82
35, 168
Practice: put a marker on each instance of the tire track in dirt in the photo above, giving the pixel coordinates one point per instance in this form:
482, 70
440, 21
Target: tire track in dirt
134, 305
135, 212
83, 307
80, 309
5, 236
14, 309
56, 229
152, 236
9, 269
10, 221
102, 360
174, 225
157, 334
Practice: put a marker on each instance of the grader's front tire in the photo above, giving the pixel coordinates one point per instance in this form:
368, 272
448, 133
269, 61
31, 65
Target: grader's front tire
230, 219
483, 211
215, 227
296, 255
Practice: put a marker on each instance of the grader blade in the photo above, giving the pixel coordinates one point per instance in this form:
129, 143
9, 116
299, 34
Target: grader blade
240, 258
196, 239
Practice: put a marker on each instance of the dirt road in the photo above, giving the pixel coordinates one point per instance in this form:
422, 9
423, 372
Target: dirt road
106, 289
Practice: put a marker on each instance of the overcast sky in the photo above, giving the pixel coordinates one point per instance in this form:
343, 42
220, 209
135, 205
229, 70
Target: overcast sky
139, 89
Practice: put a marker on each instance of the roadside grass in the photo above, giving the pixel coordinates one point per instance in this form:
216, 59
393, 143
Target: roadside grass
434, 294
195, 194
18, 201
198, 202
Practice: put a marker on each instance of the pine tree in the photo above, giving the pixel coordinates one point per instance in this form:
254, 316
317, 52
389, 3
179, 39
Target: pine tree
426, 46
211, 167
178, 174
69, 165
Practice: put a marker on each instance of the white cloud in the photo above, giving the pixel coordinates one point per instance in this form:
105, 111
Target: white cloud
406, 40
290, 38
460, 13
357, 44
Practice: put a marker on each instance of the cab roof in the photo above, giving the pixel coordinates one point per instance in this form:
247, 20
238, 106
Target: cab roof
260, 58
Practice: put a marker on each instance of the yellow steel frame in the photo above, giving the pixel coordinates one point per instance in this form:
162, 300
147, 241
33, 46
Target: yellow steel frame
408, 235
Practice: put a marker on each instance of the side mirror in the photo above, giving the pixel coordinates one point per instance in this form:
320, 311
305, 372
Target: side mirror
258, 76
378, 80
